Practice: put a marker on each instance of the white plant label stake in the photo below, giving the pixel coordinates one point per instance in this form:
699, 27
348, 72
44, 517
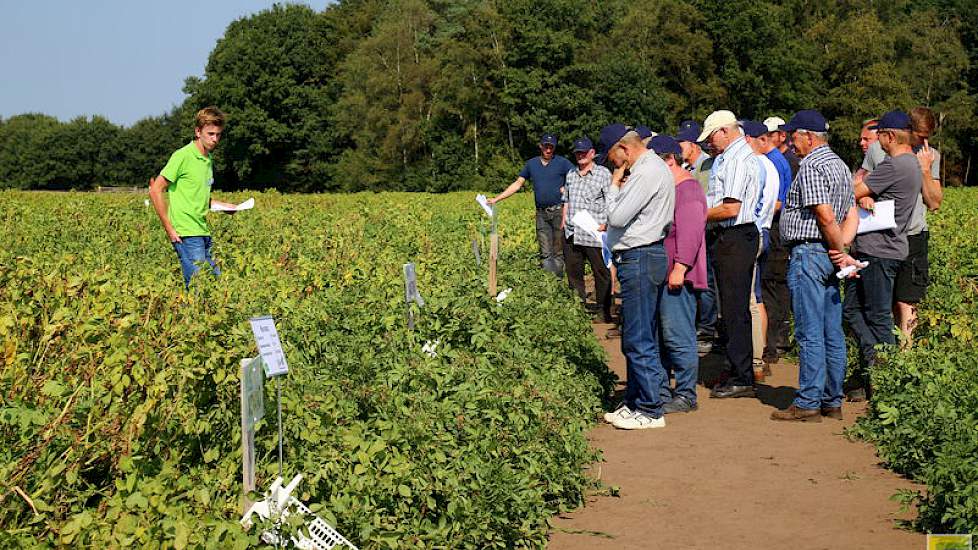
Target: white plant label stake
411, 293
272, 356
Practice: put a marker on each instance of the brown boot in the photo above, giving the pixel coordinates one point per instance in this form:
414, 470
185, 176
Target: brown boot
832, 412
795, 414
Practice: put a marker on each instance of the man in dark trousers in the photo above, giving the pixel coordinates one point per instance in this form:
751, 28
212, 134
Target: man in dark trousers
547, 172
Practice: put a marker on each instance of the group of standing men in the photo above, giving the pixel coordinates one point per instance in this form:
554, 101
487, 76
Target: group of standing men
718, 234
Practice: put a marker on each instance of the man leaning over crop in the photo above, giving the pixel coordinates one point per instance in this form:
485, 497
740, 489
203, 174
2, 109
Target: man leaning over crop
640, 210
818, 217
547, 172
187, 179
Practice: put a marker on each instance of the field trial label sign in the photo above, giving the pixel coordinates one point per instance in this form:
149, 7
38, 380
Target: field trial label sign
269, 346
253, 404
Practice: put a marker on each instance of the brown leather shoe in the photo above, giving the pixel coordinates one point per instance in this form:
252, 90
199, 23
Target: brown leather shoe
795, 414
832, 412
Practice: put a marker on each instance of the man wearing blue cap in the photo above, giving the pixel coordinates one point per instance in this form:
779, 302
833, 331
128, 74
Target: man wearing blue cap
869, 299
547, 172
734, 190
819, 217
585, 190
699, 164
640, 212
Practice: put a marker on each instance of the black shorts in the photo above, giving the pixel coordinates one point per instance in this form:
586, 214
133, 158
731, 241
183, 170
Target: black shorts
912, 279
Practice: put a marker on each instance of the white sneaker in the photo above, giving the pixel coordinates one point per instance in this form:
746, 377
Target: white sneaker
639, 421
621, 412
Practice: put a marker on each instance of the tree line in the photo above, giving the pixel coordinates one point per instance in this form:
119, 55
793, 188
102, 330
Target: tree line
439, 95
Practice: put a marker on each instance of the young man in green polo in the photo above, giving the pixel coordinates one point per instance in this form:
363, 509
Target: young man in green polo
187, 179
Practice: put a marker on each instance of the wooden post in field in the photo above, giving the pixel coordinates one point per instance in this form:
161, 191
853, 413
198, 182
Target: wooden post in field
493, 255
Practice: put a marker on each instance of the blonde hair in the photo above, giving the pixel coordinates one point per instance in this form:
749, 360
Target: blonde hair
209, 115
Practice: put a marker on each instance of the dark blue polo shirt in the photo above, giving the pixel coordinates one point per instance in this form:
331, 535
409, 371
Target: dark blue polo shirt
547, 180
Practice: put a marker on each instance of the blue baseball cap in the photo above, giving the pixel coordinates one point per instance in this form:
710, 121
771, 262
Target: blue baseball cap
548, 139
808, 119
610, 135
644, 132
689, 130
894, 120
582, 145
753, 128
663, 144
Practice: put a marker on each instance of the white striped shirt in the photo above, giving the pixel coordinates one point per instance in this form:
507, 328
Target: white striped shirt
736, 175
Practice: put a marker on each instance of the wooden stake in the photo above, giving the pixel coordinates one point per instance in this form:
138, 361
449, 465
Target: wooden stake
493, 255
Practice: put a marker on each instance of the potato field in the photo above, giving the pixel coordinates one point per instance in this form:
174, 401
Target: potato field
120, 410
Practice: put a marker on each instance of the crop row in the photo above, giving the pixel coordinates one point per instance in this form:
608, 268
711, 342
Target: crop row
120, 412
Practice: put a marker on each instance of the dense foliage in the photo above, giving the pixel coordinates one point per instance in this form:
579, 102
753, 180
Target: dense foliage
119, 406
430, 95
924, 417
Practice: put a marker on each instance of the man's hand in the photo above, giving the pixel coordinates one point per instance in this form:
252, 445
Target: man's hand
867, 203
841, 259
491, 200
618, 176
925, 157
677, 276
603, 227
174, 238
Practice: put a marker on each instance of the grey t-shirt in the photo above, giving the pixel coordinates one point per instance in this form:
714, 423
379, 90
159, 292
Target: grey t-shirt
897, 179
918, 219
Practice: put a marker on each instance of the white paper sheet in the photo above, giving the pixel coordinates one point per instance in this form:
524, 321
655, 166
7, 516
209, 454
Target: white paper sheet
880, 218
246, 205
584, 220
481, 199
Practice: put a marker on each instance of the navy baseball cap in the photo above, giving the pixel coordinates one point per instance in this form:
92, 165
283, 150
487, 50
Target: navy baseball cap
663, 144
689, 130
808, 119
548, 139
644, 132
894, 120
753, 128
583, 145
610, 135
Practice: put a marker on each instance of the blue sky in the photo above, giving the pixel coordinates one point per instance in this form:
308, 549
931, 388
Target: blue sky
124, 60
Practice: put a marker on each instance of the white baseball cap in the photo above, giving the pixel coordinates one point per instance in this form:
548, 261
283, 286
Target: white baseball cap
773, 123
716, 120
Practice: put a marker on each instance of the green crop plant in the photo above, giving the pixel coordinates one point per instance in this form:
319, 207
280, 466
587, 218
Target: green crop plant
119, 406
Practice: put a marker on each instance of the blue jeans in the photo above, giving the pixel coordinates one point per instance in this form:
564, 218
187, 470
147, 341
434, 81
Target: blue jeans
868, 308
550, 239
677, 325
817, 306
641, 272
706, 300
193, 251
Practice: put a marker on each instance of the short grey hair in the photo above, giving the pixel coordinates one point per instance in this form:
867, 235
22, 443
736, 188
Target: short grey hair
823, 136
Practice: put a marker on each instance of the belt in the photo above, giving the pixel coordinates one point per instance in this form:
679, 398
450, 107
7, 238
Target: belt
792, 244
551, 207
738, 226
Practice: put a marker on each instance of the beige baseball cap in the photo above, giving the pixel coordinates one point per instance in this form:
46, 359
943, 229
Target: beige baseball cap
717, 120
773, 123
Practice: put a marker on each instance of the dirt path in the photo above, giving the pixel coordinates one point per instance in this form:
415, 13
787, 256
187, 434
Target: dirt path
726, 477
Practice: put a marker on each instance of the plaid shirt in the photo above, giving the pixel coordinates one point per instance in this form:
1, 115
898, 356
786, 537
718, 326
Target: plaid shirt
586, 192
823, 178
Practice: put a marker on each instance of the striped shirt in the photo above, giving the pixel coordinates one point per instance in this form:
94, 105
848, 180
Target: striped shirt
823, 178
736, 175
586, 193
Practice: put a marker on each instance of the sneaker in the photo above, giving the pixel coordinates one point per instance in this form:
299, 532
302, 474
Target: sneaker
612, 333
679, 405
621, 412
639, 421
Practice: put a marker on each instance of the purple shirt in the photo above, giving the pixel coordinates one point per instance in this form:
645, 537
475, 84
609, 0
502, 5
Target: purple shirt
686, 241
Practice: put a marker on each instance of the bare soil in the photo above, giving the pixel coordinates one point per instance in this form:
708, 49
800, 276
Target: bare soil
728, 477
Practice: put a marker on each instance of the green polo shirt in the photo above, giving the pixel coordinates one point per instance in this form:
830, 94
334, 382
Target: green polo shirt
191, 176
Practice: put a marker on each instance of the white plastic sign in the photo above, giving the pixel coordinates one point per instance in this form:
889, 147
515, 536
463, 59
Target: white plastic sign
484, 203
269, 346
